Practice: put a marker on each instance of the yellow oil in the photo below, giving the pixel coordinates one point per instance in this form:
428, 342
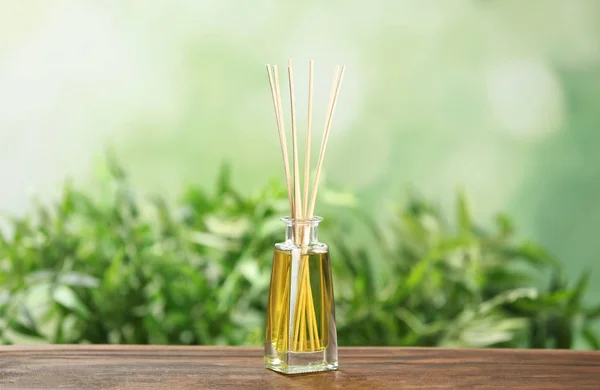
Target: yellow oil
312, 309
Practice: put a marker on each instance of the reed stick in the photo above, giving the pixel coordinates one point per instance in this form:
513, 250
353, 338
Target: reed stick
310, 211
274, 82
282, 333
323, 300
324, 143
308, 136
298, 310
305, 316
297, 194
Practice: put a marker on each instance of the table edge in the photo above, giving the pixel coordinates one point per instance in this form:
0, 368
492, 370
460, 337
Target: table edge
141, 347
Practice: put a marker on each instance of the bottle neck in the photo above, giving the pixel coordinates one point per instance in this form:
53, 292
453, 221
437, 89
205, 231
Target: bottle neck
302, 233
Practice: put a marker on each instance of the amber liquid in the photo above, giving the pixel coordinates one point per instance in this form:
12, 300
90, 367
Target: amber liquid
312, 309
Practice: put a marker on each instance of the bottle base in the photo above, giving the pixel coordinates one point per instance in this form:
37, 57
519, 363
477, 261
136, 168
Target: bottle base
278, 365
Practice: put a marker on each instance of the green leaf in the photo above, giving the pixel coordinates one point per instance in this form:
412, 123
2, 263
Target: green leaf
411, 320
489, 331
417, 274
345, 253
558, 281
593, 313
534, 254
591, 338
538, 332
212, 241
196, 203
114, 274
232, 228
249, 269
78, 279
505, 225
562, 328
338, 198
464, 217
114, 167
368, 272
224, 179
66, 297
554, 302
4, 299
508, 297
25, 329
574, 303
24, 323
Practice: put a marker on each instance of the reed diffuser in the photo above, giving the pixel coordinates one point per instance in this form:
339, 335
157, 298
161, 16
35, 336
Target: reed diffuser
301, 332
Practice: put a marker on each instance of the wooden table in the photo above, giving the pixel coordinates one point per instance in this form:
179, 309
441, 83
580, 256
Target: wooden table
158, 367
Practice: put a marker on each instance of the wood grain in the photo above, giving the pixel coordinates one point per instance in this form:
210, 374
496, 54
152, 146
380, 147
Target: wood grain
162, 367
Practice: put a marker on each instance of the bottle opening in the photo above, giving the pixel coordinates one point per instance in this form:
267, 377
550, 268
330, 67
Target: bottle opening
289, 221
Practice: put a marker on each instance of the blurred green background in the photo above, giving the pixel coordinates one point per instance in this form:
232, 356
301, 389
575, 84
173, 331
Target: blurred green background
495, 97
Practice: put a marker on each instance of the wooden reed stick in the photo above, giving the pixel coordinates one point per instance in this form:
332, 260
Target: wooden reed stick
308, 141
328, 120
297, 194
323, 301
282, 328
309, 319
331, 96
299, 310
336, 75
312, 320
274, 82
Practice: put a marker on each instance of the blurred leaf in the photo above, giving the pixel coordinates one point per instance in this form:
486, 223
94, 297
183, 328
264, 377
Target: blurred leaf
417, 274
411, 320
107, 266
593, 313
534, 253
464, 216
487, 332
249, 269
337, 198
591, 338
78, 279
66, 297
505, 225
24, 323
24, 329
224, 180
230, 228
563, 334
212, 240
114, 167
558, 281
508, 297
575, 300
112, 274
538, 332
549, 302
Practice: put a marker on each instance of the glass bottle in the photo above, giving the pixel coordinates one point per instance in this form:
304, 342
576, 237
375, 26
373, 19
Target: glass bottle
301, 332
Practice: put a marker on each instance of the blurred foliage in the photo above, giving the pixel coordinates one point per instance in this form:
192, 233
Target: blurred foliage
110, 267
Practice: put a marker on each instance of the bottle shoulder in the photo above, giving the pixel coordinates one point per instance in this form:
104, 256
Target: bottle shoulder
287, 246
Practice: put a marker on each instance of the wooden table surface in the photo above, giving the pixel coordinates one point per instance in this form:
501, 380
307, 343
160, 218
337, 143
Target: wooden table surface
161, 367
